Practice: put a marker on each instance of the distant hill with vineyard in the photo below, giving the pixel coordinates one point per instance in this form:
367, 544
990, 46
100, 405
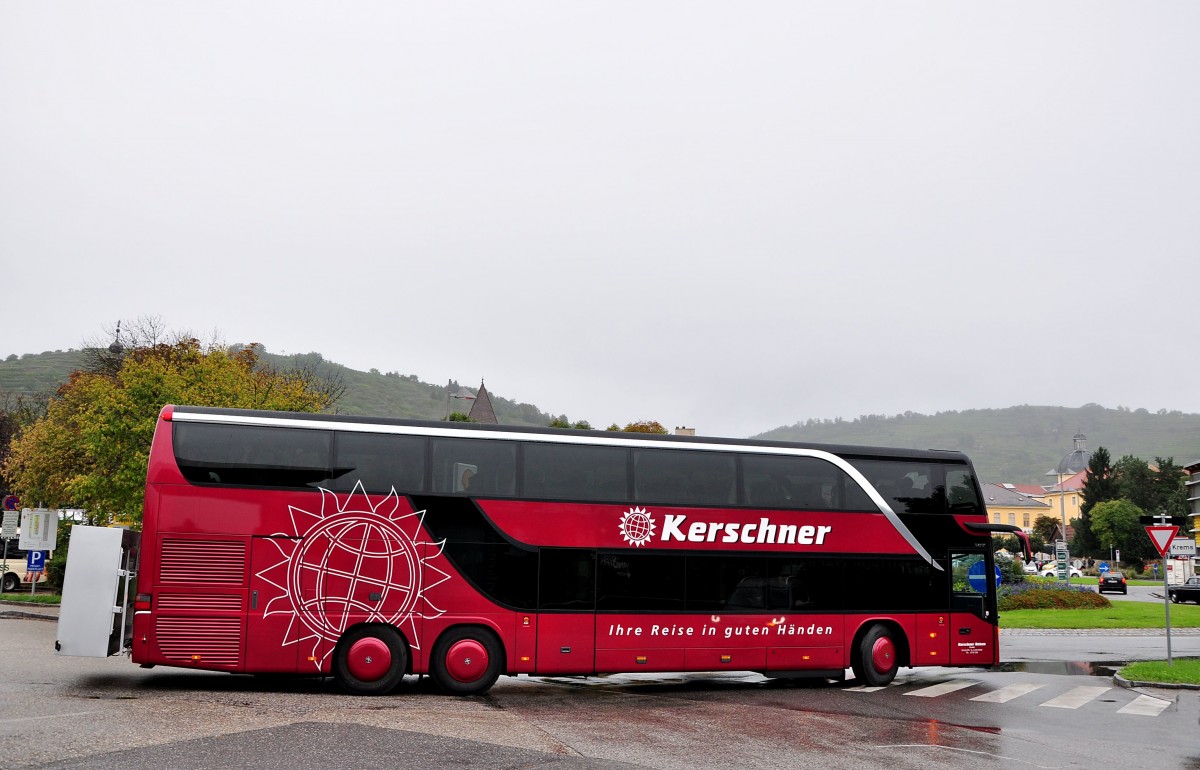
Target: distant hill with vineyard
1017, 444
1020, 443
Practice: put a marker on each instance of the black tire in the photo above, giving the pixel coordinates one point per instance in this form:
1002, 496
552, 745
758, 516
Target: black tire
466, 661
876, 659
1175, 598
370, 660
11, 582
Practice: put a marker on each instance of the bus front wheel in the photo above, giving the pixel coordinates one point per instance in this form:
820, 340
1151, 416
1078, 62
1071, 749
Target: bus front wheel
466, 661
370, 660
875, 661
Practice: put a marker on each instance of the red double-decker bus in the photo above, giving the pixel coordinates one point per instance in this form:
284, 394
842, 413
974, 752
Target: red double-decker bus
368, 549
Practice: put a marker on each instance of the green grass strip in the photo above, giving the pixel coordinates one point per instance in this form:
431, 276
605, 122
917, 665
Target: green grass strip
1184, 671
1119, 615
25, 598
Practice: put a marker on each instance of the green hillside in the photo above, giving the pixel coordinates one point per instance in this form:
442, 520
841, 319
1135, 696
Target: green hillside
366, 393
1018, 444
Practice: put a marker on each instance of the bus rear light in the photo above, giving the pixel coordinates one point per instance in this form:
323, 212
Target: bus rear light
726, 658
312, 659
141, 602
641, 660
195, 658
805, 657
525, 658
933, 634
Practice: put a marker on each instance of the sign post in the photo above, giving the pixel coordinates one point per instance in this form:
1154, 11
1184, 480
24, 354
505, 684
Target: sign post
35, 565
1062, 560
1162, 535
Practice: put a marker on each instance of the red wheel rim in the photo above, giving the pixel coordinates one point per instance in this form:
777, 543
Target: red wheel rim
369, 659
467, 660
883, 652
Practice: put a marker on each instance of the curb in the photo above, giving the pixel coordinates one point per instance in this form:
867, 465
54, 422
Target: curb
1121, 681
27, 615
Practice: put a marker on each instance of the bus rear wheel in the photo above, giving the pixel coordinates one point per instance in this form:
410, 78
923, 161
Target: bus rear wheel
875, 661
466, 661
370, 660
11, 581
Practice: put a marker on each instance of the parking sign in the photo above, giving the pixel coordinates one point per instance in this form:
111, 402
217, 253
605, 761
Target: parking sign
35, 561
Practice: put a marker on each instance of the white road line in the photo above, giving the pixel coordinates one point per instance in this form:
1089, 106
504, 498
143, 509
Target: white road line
1005, 694
864, 688
942, 689
1146, 706
1073, 699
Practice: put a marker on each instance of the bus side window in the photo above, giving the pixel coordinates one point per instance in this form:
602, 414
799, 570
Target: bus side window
380, 462
474, 466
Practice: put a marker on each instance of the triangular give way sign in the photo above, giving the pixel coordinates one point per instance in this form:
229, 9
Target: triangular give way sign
1162, 535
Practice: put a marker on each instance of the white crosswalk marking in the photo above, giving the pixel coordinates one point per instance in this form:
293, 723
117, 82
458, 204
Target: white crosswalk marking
1143, 705
1005, 694
1146, 706
941, 689
1073, 699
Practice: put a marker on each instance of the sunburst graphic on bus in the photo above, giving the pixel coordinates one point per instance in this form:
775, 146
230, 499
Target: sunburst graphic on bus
354, 562
637, 526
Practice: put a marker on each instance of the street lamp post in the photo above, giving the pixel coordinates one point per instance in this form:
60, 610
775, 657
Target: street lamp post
464, 396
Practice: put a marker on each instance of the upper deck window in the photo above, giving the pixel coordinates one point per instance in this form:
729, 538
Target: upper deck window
922, 487
807, 483
684, 477
575, 472
252, 456
381, 462
477, 467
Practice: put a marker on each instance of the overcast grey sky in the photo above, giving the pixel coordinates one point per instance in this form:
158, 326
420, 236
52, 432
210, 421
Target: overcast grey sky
719, 215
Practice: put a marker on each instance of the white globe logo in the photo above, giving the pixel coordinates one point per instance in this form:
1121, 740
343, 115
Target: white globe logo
637, 526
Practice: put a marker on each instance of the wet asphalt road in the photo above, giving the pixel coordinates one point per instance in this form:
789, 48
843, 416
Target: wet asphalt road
87, 713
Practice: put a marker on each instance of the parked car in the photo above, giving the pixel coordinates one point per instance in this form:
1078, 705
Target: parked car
13, 574
1112, 581
1188, 592
1052, 572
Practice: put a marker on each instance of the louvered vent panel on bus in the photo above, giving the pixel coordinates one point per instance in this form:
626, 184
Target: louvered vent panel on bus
208, 562
231, 602
200, 641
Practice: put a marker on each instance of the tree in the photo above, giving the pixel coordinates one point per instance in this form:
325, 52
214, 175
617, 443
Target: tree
562, 422
645, 426
1117, 525
1044, 526
1135, 482
1101, 484
90, 449
1170, 491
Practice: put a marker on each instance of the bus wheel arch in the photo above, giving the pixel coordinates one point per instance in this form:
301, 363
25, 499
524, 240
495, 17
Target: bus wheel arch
467, 660
370, 659
880, 648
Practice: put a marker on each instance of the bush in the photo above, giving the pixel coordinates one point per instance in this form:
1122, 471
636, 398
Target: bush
1037, 595
56, 569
